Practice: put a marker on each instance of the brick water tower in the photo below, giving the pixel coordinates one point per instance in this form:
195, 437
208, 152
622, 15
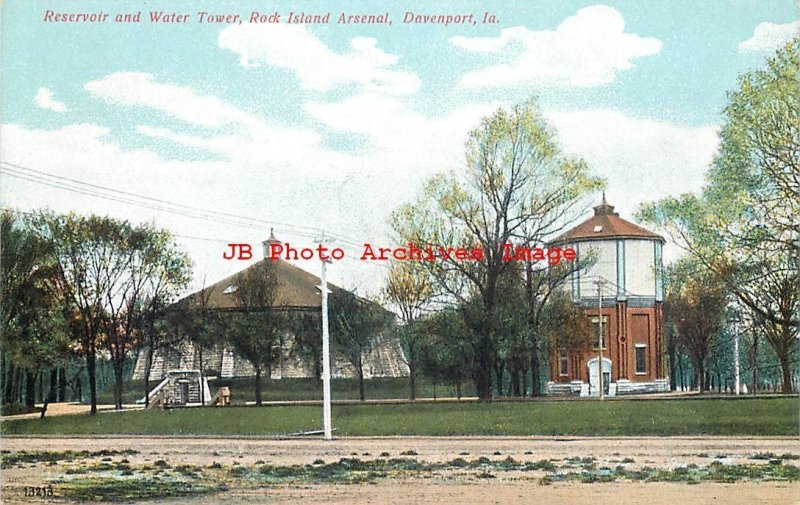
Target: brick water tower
628, 261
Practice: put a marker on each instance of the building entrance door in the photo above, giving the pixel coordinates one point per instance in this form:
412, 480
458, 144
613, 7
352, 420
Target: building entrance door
594, 382
184, 389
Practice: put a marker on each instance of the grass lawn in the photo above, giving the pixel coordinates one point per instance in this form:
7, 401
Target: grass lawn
293, 389
643, 417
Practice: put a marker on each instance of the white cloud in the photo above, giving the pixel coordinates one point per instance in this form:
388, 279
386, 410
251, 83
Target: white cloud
45, 99
247, 138
769, 36
295, 48
403, 141
642, 159
587, 49
141, 89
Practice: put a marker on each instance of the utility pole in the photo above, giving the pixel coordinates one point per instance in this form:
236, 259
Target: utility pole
326, 351
601, 381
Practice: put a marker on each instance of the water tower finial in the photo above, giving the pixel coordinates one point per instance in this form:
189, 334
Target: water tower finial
604, 208
270, 240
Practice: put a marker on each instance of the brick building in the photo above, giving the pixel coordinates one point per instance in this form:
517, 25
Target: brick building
629, 262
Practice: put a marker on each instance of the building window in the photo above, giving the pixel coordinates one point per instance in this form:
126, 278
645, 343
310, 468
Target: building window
595, 322
641, 359
562, 362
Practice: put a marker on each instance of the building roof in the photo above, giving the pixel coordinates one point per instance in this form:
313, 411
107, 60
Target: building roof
296, 288
606, 224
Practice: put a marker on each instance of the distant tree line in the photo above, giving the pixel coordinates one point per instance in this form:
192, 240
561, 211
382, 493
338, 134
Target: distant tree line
80, 286
741, 234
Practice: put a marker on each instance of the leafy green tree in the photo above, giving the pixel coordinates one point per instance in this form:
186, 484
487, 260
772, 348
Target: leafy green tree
410, 289
542, 284
566, 324
167, 272
516, 188
511, 322
255, 329
356, 325
193, 318
446, 348
155, 270
744, 227
90, 269
35, 333
698, 308
306, 328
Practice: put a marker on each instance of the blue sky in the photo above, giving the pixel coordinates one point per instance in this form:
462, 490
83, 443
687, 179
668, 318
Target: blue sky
333, 126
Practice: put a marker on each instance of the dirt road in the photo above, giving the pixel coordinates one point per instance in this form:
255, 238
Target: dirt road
440, 486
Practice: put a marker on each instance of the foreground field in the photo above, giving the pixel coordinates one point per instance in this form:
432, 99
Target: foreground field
183, 470
642, 417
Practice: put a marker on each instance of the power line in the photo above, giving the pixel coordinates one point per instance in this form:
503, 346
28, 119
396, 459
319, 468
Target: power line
116, 192
120, 196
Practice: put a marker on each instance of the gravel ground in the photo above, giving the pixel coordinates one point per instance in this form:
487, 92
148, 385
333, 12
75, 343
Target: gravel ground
442, 487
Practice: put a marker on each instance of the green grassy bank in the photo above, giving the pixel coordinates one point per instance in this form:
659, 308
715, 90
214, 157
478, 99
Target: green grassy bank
644, 417
295, 389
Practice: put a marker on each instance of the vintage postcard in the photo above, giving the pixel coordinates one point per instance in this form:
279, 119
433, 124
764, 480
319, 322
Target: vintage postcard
400, 252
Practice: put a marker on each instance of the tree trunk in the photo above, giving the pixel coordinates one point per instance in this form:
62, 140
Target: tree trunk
30, 389
39, 386
483, 379
458, 390
483, 366
62, 384
6, 365
202, 374
534, 366
317, 365
701, 376
754, 363
484, 351
52, 392
148, 366
786, 373
412, 381
361, 394
673, 366
515, 389
536, 382
91, 370
536, 386
8, 394
119, 374
499, 372
258, 384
